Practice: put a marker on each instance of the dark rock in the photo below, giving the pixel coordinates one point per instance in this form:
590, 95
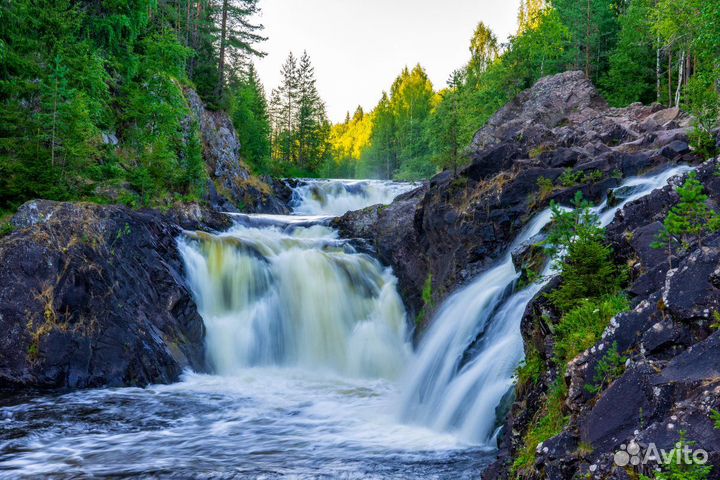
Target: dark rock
460, 224
94, 296
233, 188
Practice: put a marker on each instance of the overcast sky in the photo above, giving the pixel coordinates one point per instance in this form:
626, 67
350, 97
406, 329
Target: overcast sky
358, 47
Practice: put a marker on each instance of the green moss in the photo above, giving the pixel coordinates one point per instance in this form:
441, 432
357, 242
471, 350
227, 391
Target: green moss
428, 302
531, 369
549, 421
582, 327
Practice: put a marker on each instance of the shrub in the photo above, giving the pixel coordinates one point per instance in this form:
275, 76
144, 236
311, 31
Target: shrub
678, 469
586, 266
546, 188
690, 219
610, 367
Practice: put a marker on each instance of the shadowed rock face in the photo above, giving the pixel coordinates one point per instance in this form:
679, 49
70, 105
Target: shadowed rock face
95, 296
232, 188
456, 226
671, 382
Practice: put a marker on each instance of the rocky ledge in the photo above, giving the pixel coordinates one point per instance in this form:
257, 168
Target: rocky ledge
551, 141
95, 295
670, 344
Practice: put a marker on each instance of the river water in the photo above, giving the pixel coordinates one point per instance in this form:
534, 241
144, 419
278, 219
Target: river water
314, 375
309, 342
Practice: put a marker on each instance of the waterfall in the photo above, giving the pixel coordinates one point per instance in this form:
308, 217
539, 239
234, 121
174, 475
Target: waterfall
466, 362
285, 291
336, 197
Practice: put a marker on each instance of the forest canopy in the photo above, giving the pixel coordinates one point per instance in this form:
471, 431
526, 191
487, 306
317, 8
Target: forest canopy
93, 103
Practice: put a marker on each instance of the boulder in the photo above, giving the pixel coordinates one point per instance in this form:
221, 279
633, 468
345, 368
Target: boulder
94, 296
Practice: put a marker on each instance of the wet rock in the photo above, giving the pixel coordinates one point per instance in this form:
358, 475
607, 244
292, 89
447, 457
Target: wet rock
94, 296
460, 224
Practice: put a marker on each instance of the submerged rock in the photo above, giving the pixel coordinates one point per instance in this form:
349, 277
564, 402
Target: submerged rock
94, 296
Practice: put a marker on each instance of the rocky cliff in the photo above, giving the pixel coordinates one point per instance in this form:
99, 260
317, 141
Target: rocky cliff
670, 380
551, 141
95, 295
232, 188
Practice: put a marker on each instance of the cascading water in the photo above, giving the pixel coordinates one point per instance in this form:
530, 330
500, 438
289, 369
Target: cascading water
335, 197
295, 298
448, 392
306, 337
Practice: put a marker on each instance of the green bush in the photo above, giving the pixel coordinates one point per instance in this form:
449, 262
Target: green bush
689, 220
609, 368
678, 469
587, 267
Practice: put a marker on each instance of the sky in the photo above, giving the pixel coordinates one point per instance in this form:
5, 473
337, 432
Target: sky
358, 47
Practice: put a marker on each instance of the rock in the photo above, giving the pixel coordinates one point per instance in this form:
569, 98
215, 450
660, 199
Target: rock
233, 187
671, 380
94, 296
460, 224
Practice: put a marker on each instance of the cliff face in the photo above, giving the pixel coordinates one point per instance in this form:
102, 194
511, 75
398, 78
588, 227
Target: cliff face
95, 295
551, 141
232, 188
670, 381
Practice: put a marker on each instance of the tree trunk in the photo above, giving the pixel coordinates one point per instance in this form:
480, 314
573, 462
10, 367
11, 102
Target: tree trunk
670, 79
681, 73
587, 41
657, 72
223, 40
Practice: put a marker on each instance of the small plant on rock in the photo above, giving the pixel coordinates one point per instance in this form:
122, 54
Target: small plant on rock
689, 220
608, 369
678, 467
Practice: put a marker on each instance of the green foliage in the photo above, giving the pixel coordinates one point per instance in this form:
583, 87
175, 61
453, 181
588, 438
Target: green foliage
548, 422
593, 27
609, 368
703, 100
546, 186
531, 369
587, 267
428, 301
74, 75
249, 113
6, 228
583, 326
427, 291
678, 468
570, 178
301, 130
632, 74
690, 219
715, 415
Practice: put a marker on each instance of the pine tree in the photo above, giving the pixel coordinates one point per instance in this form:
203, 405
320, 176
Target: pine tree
311, 112
284, 107
237, 36
633, 64
249, 112
594, 27
690, 219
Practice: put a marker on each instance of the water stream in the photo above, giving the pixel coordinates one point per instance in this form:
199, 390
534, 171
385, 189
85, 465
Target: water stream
315, 376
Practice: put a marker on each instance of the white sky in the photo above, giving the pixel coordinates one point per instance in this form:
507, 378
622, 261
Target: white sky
358, 47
